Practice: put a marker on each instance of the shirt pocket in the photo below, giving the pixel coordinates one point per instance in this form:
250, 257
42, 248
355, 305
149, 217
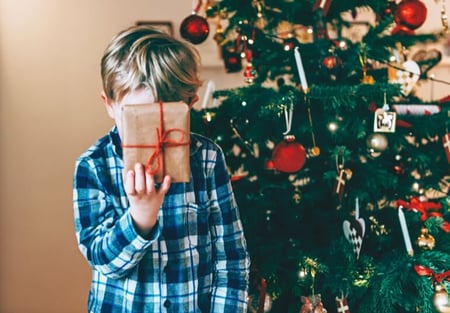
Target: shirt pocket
197, 225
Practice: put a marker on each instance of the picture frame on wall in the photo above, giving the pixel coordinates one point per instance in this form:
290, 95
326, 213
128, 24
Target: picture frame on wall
165, 26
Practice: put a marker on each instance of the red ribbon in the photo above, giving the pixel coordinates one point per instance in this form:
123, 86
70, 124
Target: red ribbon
426, 209
436, 277
162, 142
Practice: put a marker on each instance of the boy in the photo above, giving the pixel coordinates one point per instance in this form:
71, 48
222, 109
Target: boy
169, 247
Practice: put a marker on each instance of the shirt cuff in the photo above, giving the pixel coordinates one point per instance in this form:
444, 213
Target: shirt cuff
132, 235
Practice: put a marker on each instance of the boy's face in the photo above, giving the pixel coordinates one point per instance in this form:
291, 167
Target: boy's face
114, 108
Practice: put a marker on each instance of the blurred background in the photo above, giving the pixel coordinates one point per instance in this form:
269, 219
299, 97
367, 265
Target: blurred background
50, 112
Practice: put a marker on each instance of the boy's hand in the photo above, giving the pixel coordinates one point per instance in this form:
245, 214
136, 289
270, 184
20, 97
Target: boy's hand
145, 199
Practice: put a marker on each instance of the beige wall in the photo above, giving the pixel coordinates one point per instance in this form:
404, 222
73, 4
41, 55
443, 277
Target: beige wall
49, 113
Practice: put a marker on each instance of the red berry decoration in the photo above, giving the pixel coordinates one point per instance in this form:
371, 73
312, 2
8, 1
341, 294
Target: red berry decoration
409, 15
194, 29
288, 156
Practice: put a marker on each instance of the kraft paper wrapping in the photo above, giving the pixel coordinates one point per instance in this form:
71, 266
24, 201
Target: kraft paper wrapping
157, 135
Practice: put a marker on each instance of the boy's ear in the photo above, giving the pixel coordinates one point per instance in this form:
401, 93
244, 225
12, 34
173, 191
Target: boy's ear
108, 104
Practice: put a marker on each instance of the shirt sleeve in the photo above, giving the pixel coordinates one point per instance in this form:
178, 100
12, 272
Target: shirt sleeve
106, 235
231, 260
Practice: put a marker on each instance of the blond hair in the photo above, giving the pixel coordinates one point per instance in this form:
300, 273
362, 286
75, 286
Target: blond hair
143, 57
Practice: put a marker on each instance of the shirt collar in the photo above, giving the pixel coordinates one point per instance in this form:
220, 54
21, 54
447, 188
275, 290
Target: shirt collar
116, 142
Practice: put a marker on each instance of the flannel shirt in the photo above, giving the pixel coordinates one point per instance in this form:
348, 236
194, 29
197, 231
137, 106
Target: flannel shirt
196, 259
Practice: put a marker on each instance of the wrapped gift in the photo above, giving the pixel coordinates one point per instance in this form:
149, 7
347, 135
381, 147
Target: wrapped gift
157, 135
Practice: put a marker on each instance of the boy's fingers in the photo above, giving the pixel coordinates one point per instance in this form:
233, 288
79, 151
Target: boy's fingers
165, 185
129, 183
139, 183
150, 182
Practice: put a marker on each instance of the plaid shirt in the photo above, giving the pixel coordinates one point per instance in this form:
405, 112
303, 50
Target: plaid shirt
196, 259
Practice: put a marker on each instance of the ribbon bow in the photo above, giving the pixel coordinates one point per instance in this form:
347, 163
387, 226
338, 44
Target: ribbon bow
163, 141
435, 277
426, 209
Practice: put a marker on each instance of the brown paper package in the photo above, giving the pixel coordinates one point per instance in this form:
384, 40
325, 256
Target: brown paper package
157, 135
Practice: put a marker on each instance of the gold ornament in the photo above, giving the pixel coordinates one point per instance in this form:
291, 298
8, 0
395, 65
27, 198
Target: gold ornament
314, 152
425, 240
441, 300
285, 30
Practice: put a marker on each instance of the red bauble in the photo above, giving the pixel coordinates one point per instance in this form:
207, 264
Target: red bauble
409, 15
194, 29
288, 156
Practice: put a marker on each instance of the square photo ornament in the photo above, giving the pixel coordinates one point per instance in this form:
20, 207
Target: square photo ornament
384, 121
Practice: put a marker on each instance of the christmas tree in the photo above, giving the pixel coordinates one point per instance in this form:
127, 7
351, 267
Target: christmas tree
341, 173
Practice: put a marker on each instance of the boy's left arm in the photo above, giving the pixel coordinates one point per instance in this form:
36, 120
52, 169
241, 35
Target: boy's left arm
231, 259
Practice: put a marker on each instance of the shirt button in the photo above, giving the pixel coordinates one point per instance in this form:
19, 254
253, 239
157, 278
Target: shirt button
167, 303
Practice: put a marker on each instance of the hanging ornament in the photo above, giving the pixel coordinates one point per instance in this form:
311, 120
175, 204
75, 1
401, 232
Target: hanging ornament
343, 174
219, 36
320, 10
195, 28
425, 241
409, 15
331, 65
354, 230
376, 142
441, 299
403, 72
405, 232
284, 30
366, 78
231, 58
261, 21
331, 61
342, 305
384, 120
446, 145
312, 304
269, 165
288, 156
249, 71
339, 183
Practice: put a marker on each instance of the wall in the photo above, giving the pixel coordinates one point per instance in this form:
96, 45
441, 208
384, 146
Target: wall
50, 112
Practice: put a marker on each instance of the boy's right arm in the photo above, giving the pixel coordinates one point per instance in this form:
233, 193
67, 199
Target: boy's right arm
108, 240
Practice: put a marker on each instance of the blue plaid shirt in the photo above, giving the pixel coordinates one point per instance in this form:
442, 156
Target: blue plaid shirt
196, 259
